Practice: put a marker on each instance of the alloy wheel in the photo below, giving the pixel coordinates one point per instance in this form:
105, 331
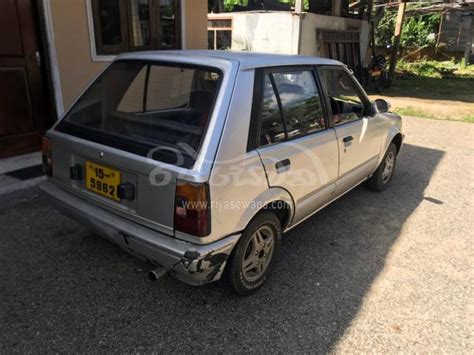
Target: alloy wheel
388, 167
258, 253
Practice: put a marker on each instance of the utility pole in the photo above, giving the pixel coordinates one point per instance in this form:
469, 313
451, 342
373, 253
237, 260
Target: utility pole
336, 8
396, 38
299, 6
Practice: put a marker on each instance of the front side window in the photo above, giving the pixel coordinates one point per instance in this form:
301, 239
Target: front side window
143, 107
128, 25
347, 104
290, 106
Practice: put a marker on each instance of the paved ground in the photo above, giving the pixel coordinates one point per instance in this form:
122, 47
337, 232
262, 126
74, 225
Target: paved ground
20, 172
388, 272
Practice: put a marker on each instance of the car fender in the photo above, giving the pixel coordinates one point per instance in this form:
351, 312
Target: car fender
392, 132
270, 195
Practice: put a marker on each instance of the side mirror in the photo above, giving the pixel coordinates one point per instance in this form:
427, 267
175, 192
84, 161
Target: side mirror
381, 105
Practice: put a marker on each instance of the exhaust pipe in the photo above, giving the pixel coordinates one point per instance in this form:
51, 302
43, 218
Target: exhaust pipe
157, 273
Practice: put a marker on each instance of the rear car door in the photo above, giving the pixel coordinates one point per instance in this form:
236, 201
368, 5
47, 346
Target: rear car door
358, 134
297, 149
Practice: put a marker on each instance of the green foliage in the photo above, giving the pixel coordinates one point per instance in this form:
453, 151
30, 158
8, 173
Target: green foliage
435, 69
385, 29
229, 4
415, 33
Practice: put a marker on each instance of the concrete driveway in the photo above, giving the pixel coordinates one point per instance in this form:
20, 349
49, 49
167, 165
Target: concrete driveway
389, 272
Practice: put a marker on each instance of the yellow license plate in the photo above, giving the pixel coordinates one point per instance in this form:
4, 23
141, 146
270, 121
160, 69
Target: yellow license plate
102, 180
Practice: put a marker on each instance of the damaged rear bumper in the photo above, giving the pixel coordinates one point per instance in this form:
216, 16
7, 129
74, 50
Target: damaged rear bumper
191, 263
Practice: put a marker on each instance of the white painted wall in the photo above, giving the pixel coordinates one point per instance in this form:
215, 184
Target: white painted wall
286, 32
274, 32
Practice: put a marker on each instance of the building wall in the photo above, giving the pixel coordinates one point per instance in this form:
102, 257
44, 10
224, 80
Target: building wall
279, 32
275, 32
195, 25
311, 22
457, 31
73, 51
72, 42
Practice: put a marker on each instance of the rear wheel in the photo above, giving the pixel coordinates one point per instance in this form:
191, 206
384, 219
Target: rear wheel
383, 175
253, 257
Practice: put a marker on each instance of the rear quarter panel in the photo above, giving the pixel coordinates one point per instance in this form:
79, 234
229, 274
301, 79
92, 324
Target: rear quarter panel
238, 184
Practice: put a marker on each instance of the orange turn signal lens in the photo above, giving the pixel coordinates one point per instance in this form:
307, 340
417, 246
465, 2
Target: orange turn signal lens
192, 210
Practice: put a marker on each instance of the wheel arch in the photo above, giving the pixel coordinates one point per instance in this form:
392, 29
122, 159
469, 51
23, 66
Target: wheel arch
276, 200
394, 135
397, 140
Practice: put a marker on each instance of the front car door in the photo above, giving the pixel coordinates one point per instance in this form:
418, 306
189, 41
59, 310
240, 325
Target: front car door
296, 146
358, 133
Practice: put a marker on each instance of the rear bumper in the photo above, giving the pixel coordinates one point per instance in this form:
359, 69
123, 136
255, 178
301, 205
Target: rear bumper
191, 263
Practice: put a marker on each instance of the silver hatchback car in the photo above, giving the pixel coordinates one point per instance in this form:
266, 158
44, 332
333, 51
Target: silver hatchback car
199, 161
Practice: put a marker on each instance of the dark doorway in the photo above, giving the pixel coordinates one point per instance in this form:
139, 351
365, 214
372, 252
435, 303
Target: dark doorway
25, 110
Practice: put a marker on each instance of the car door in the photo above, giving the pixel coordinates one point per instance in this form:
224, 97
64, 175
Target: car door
296, 146
357, 132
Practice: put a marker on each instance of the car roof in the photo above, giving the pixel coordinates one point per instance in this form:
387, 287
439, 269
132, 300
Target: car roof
247, 60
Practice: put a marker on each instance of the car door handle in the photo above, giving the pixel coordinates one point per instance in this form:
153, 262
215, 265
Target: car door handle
282, 165
347, 139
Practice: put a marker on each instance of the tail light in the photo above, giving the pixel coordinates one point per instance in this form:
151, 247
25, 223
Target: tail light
192, 211
47, 156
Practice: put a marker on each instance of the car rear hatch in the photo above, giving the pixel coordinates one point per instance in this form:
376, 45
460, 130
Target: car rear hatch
124, 142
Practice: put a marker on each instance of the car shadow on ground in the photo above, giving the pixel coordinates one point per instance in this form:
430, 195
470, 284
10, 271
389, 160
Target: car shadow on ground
75, 291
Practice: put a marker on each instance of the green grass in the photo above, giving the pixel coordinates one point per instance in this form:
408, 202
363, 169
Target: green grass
430, 80
435, 69
468, 118
411, 111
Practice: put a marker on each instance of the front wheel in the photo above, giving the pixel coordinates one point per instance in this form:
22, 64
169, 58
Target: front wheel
253, 257
383, 175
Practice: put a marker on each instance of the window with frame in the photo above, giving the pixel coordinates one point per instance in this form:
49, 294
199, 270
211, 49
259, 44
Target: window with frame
219, 34
290, 106
129, 25
347, 102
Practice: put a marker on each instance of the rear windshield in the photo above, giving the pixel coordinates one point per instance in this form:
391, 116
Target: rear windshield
159, 110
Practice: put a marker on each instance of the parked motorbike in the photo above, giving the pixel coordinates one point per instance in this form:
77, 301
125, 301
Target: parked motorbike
376, 74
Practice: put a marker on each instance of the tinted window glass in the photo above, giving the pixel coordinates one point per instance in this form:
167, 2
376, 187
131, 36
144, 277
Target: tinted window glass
346, 103
167, 24
147, 105
109, 12
174, 91
140, 18
300, 101
272, 129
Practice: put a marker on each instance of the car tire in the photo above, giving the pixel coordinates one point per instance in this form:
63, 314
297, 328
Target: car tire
380, 180
254, 254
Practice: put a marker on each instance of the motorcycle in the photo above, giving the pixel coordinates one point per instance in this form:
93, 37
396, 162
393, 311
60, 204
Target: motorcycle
376, 74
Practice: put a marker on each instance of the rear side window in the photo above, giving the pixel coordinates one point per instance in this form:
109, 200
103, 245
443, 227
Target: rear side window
290, 106
146, 107
300, 102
